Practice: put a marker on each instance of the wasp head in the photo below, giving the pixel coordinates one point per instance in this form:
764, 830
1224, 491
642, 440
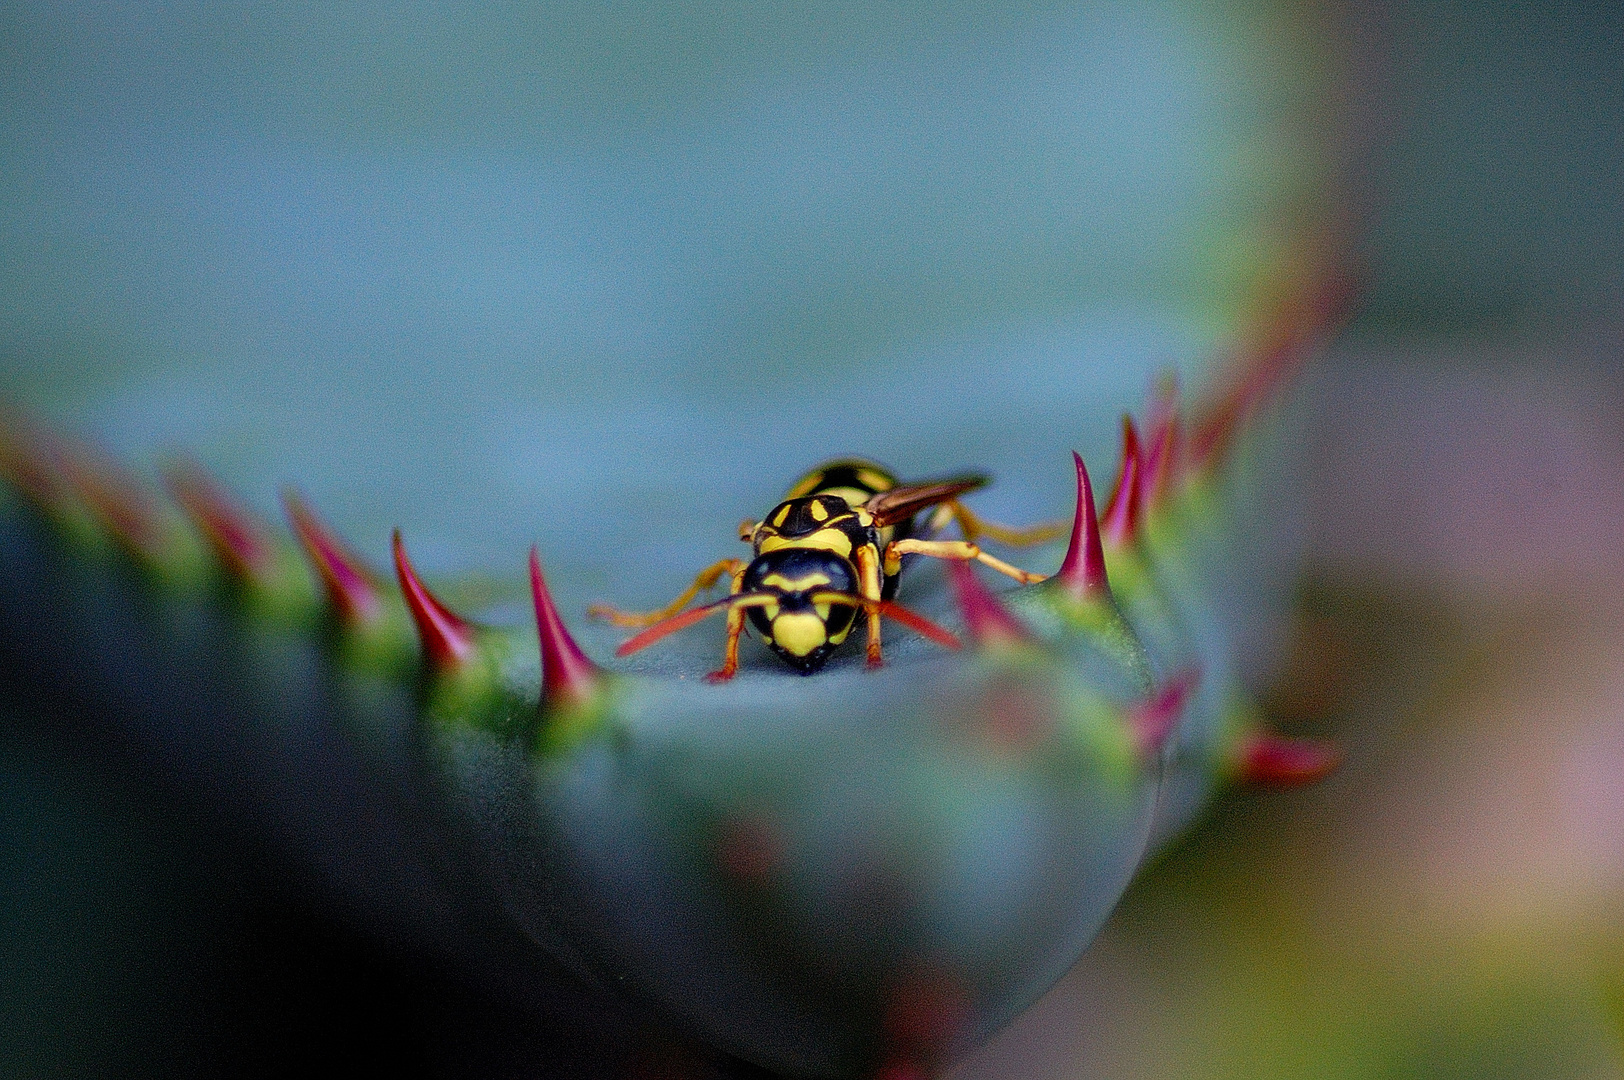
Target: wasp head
804, 633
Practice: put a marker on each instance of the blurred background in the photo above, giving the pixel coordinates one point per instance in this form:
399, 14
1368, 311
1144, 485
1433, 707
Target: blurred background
604, 275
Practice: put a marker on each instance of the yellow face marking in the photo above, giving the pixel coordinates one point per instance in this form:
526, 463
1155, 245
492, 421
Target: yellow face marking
823, 540
818, 512
799, 632
778, 518
800, 584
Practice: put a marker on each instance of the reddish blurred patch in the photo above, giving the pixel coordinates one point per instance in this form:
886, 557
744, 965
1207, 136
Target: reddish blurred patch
749, 850
237, 540
1275, 761
925, 1009
1016, 720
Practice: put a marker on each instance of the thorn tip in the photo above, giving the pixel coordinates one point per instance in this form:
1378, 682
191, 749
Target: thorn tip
351, 588
448, 638
566, 673
236, 538
1082, 574
121, 506
1122, 511
1161, 449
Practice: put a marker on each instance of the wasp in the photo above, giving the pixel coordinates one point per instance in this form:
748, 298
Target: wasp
831, 549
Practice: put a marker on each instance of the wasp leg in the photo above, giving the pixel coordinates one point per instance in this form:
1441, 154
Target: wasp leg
707, 577
975, 527
868, 571
962, 550
735, 627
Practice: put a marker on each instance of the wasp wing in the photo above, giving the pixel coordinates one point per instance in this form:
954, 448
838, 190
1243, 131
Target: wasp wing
902, 503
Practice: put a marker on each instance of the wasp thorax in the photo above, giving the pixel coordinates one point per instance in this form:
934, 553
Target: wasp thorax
798, 622
795, 518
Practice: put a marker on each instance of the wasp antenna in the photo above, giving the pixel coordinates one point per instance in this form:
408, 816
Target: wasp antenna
1154, 719
351, 589
1082, 574
985, 616
679, 621
917, 623
1270, 760
1122, 512
237, 540
566, 673
894, 611
448, 638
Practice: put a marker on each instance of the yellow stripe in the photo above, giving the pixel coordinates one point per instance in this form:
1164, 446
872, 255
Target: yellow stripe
800, 584
823, 540
877, 481
853, 496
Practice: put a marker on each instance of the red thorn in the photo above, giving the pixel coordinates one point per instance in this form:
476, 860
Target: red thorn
1122, 512
1083, 572
1161, 461
1276, 351
448, 638
32, 460
1265, 367
230, 530
1154, 719
1161, 444
351, 589
566, 673
984, 614
1269, 760
116, 498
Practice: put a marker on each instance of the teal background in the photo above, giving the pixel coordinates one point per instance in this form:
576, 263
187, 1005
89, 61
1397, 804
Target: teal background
576, 271
607, 277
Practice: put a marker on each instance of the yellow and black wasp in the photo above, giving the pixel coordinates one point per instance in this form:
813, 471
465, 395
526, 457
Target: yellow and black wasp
833, 547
